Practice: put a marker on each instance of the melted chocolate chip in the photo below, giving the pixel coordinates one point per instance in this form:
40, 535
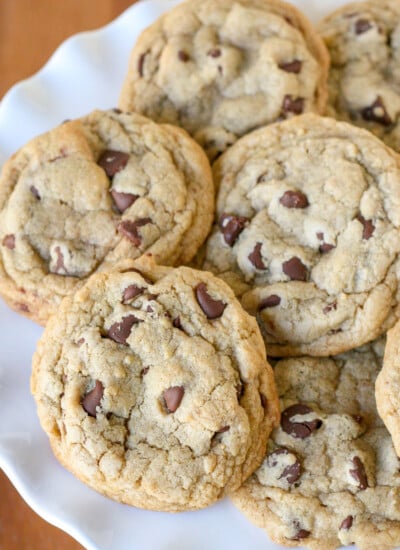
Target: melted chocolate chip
130, 292
183, 56
34, 192
293, 105
214, 52
330, 307
368, 227
358, 473
295, 269
299, 429
60, 261
113, 161
291, 66
325, 247
301, 534
231, 227
294, 199
362, 25
212, 308
291, 472
346, 523
263, 400
270, 301
9, 241
119, 332
377, 113
129, 229
173, 397
123, 200
256, 258
92, 399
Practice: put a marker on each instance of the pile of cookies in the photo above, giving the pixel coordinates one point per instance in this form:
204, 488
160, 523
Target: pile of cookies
214, 217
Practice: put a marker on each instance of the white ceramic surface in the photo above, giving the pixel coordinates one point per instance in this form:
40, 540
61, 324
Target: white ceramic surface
86, 72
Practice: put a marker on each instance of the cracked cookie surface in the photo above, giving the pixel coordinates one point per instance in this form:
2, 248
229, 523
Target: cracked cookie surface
363, 40
153, 387
308, 234
92, 192
331, 475
211, 67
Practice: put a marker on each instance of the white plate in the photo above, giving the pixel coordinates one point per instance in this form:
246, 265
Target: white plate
86, 72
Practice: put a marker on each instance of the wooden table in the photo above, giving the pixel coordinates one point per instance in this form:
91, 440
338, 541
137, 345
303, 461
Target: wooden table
29, 33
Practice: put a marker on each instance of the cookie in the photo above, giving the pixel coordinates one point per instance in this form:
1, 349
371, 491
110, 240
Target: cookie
363, 40
221, 69
308, 234
331, 474
92, 192
387, 387
153, 387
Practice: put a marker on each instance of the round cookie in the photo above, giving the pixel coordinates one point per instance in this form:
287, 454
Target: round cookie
363, 40
171, 426
387, 386
221, 69
331, 475
308, 234
92, 192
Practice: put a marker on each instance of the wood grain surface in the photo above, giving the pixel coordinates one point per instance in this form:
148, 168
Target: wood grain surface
30, 31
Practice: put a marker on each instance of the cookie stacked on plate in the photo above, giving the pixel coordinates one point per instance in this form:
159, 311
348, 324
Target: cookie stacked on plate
152, 382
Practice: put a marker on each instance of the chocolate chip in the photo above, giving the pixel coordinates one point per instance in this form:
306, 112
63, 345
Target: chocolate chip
376, 113
113, 161
144, 371
291, 66
123, 200
358, 473
294, 199
223, 429
362, 25
256, 258
119, 332
34, 192
325, 247
231, 227
270, 301
368, 227
92, 399
301, 534
80, 341
295, 269
330, 307
214, 52
130, 292
212, 308
183, 56
291, 472
346, 523
60, 261
299, 429
177, 323
141, 61
129, 230
9, 241
292, 104
173, 397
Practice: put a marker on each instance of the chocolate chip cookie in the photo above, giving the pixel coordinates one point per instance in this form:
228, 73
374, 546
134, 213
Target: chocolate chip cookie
387, 386
221, 69
331, 475
92, 192
363, 40
153, 387
308, 234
